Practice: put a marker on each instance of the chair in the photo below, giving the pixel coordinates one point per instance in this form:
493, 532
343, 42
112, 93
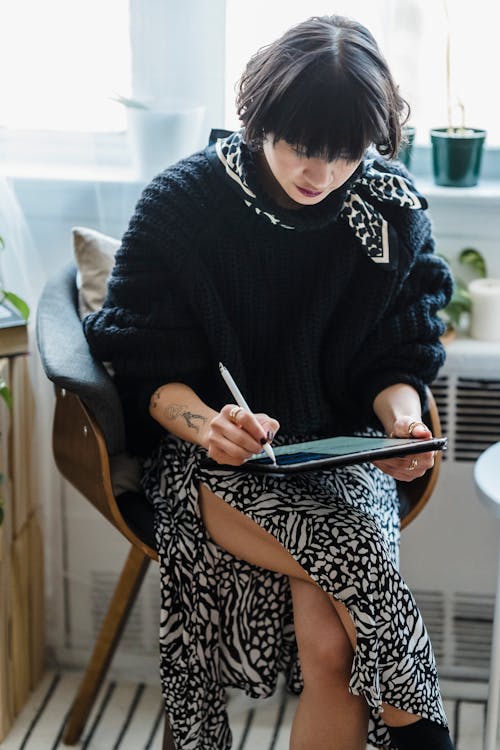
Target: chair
88, 434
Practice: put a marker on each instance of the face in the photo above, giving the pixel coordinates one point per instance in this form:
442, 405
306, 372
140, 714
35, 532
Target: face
305, 181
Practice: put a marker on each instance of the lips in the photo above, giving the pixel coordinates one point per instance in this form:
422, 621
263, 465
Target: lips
308, 193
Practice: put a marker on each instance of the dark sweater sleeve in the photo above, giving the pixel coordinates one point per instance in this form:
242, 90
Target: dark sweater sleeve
404, 346
147, 327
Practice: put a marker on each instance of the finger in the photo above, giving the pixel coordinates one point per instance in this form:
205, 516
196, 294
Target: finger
251, 425
269, 424
407, 427
407, 468
224, 451
237, 429
417, 429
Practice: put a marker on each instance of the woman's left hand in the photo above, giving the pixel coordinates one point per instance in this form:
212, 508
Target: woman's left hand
411, 466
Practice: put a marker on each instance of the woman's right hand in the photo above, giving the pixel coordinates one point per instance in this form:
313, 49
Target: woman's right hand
232, 441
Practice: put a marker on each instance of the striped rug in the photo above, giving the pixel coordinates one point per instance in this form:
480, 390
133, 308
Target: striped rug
129, 716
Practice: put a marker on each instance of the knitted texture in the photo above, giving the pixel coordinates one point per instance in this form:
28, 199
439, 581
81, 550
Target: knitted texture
308, 325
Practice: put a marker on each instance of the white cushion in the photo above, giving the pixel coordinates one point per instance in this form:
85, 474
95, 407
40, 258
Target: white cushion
95, 257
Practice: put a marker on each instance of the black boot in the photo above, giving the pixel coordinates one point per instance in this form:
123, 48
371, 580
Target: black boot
421, 735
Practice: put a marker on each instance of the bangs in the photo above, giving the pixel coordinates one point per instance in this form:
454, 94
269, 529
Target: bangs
325, 118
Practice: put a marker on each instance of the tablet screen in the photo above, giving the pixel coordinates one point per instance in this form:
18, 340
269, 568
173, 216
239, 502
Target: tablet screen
351, 448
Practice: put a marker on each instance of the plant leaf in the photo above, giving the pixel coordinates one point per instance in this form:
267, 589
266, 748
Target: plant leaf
473, 258
5, 393
127, 102
2, 243
18, 303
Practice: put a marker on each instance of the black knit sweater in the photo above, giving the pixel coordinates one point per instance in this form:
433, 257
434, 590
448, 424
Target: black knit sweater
309, 326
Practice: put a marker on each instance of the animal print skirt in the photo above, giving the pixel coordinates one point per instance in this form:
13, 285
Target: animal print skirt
228, 623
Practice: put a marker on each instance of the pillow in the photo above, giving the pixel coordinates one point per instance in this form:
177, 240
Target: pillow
95, 257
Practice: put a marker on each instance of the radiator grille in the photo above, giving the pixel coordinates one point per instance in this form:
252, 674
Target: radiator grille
473, 627
477, 417
432, 608
460, 627
140, 635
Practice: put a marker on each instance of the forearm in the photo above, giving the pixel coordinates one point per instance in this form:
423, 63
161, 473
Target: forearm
180, 411
397, 401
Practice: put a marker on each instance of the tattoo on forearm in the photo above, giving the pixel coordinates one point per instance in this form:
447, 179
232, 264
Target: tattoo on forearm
181, 410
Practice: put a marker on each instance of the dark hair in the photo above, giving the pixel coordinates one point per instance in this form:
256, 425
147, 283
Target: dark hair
324, 86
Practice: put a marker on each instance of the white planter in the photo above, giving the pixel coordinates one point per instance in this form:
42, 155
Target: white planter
161, 136
485, 310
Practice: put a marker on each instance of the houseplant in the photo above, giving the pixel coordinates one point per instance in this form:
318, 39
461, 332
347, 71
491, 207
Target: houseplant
457, 313
456, 149
5, 393
406, 147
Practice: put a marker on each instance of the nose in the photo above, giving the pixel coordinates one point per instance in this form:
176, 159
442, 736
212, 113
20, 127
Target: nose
319, 173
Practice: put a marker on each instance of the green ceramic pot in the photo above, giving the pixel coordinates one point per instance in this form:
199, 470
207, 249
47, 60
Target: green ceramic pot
406, 147
456, 156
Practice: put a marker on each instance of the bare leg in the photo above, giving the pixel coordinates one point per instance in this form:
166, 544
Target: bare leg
327, 713
325, 661
393, 717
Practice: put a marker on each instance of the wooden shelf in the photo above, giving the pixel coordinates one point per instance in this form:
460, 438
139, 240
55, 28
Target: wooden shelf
21, 554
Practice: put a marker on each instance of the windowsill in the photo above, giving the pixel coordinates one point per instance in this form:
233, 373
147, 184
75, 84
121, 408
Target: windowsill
485, 192
105, 157
66, 157
68, 173
464, 344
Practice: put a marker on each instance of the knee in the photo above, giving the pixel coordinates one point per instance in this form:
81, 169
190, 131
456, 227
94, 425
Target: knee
325, 652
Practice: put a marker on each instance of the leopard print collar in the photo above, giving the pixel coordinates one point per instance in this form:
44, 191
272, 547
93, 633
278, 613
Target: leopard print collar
354, 203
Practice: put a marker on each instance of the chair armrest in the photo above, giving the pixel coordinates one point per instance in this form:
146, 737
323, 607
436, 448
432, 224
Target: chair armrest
413, 496
68, 362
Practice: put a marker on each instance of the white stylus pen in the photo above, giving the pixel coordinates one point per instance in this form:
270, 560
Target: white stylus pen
238, 397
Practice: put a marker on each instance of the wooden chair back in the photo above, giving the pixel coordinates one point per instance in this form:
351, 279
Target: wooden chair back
82, 458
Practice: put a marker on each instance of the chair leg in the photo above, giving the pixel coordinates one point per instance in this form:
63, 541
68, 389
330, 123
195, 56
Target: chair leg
124, 596
168, 740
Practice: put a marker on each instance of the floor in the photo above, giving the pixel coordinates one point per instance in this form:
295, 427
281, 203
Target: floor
128, 716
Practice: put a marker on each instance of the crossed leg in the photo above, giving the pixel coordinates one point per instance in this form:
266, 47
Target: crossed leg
327, 713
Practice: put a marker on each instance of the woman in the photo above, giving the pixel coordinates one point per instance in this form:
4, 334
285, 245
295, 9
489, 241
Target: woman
302, 259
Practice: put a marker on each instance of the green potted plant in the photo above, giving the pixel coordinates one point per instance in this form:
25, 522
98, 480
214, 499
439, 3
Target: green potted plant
5, 393
406, 147
456, 149
457, 313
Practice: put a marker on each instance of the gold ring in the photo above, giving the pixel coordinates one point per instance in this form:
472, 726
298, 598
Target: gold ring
412, 426
233, 412
413, 464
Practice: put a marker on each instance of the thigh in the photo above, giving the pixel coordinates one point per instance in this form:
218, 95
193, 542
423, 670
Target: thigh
243, 538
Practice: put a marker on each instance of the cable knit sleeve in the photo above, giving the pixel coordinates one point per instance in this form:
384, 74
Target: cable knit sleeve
404, 345
147, 327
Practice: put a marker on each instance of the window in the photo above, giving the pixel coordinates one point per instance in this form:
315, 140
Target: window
412, 34
61, 60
